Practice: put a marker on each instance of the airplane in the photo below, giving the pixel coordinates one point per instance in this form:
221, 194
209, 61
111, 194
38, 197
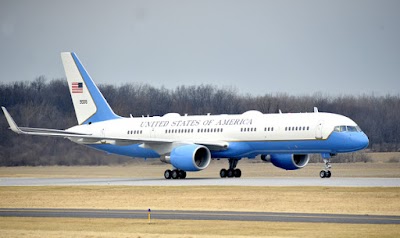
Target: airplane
190, 142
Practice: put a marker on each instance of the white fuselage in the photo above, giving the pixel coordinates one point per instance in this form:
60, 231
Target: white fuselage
251, 126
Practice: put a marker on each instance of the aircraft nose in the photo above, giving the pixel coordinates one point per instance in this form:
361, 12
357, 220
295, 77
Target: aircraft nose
361, 141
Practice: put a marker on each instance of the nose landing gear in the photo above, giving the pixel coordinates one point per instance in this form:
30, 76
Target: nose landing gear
326, 173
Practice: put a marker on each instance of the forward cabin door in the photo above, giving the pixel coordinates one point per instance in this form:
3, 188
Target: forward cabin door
318, 131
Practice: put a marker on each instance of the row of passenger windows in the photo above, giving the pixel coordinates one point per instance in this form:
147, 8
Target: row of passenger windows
253, 129
297, 128
202, 130
210, 130
135, 132
248, 129
170, 131
347, 128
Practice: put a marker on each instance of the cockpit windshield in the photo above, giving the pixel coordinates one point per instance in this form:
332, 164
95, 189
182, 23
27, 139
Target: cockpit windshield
347, 128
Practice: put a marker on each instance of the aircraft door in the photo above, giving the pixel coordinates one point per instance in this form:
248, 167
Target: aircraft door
152, 132
318, 131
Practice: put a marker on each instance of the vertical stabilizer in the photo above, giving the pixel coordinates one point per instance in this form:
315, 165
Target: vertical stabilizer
90, 105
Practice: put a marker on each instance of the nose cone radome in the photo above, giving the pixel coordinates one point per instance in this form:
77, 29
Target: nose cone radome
360, 141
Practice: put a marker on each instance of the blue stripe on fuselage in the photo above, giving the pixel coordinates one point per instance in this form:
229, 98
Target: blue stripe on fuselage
338, 142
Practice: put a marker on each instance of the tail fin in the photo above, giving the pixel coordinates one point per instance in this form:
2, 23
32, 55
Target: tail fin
90, 105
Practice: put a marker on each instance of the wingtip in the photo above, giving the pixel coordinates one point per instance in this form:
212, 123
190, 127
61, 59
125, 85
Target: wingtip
11, 122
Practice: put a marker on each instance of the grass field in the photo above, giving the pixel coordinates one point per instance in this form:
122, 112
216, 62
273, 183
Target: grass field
70, 227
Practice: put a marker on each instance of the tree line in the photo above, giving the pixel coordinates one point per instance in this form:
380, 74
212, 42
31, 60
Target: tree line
43, 103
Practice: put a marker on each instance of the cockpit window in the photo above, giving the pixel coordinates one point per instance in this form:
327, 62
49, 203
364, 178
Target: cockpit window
351, 129
347, 128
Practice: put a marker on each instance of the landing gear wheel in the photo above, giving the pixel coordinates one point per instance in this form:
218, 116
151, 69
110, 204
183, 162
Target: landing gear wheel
182, 174
230, 173
175, 174
222, 173
322, 174
167, 174
237, 173
325, 174
328, 174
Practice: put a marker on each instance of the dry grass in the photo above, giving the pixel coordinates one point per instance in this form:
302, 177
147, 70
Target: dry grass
72, 227
383, 201
383, 157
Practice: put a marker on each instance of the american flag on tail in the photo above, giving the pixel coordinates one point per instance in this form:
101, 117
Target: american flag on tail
77, 87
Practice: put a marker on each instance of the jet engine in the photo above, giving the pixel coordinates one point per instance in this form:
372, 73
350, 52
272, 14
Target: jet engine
189, 157
290, 161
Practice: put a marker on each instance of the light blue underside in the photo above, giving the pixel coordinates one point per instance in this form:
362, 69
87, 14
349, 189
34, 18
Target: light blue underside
338, 142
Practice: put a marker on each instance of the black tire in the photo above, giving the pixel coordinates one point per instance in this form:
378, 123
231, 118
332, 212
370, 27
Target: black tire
175, 174
222, 173
328, 174
182, 174
322, 174
167, 174
230, 173
237, 173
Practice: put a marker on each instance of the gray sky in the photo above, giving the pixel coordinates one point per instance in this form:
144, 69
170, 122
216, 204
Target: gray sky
293, 46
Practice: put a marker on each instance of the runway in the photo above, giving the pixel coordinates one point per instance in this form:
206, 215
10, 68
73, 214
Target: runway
285, 182
201, 215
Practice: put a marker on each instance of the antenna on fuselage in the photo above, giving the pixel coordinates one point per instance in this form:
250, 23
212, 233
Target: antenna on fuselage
280, 111
315, 109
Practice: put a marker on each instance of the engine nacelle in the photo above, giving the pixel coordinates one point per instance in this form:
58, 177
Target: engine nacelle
190, 157
290, 161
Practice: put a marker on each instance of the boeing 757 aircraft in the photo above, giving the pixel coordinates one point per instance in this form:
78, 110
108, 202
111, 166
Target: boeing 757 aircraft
189, 143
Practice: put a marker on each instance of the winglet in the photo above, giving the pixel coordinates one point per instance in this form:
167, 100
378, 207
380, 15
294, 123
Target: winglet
11, 122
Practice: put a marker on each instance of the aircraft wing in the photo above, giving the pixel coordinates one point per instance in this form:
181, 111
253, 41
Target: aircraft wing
153, 143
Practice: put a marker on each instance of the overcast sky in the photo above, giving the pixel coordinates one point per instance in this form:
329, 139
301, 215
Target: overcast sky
296, 46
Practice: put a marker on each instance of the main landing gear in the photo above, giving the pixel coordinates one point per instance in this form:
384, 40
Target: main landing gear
232, 171
174, 174
326, 173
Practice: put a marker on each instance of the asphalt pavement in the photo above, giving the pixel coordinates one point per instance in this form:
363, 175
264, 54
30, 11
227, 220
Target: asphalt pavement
201, 215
